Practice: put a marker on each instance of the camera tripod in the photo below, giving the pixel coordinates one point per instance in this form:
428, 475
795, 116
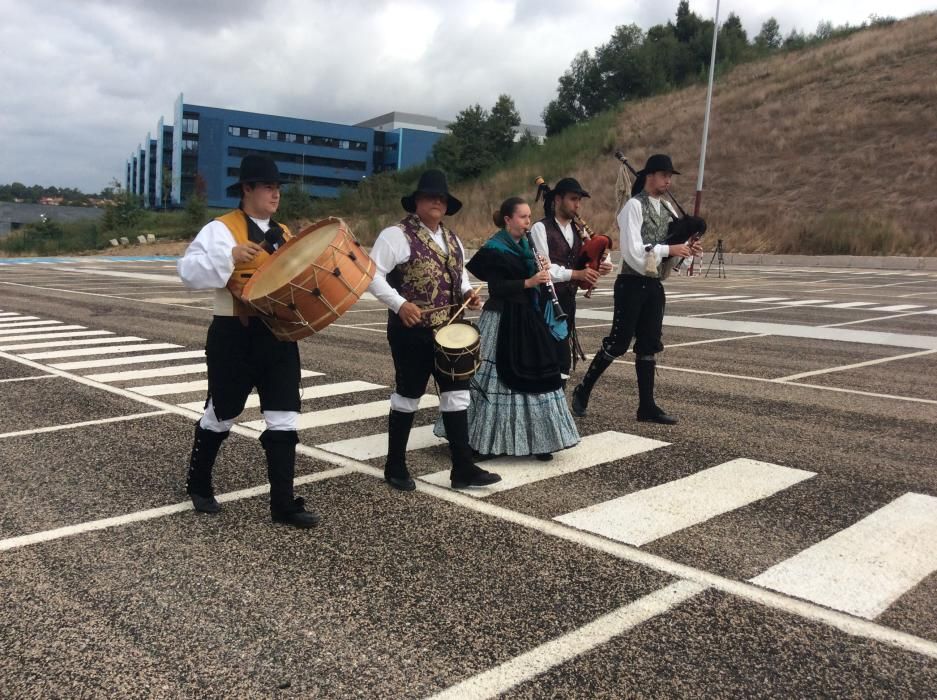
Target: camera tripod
719, 257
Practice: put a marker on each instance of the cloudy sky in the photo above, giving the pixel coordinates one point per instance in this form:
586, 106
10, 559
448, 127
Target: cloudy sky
82, 82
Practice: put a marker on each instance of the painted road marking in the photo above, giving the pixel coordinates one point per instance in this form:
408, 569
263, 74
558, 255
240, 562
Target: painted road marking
69, 426
70, 343
253, 400
42, 335
4, 322
139, 359
764, 300
345, 414
865, 568
593, 450
897, 307
371, 446
849, 305
900, 340
168, 371
649, 514
27, 332
841, 368
15, 327
498, 680
82, 352
807, 302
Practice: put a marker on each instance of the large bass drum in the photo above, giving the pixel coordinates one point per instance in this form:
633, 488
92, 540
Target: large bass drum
311, 280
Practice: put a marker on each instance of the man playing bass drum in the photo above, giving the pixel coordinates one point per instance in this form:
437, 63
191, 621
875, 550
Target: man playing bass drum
639, 294
557, 237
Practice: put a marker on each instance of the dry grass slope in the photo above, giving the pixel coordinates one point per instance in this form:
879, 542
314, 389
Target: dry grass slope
829, 150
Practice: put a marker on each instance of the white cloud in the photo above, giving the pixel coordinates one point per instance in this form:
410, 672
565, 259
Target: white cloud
84, 82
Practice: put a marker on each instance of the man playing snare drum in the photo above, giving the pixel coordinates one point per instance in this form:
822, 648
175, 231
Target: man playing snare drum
241, 352
421, 279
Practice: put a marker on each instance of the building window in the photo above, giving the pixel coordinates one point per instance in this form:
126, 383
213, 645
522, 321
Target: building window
289, 138
253, 133
272, 135
190, 124
234, 131
189, 146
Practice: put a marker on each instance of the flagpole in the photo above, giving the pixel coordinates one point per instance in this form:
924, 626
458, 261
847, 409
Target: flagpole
709, 99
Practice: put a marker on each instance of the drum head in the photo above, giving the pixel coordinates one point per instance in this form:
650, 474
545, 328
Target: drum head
456, 335
292, 259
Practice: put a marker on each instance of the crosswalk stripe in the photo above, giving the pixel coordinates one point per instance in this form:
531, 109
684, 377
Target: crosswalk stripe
849, 305
118, 361
4, 322
807, 302
897, 307
81, 352
345, 414
764, 300
865, 568
253, 400
371, 446
42, 335
69, 343
649, 514
591, 451
9, 313
15, 327
727, 298
168, 371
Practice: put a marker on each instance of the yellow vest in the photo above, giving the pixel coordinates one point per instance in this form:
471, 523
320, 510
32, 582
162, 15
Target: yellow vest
228, 300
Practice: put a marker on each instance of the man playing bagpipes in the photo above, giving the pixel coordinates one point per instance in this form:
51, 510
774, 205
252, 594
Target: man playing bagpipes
645, 225
559, 236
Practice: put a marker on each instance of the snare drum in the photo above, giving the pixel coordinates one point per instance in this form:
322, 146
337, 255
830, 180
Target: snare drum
311, 280
457, 350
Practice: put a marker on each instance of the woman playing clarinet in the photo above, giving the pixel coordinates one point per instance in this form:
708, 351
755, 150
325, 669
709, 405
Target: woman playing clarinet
518, 406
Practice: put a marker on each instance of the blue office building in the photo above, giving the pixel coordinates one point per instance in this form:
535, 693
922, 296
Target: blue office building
203, 148
202, 151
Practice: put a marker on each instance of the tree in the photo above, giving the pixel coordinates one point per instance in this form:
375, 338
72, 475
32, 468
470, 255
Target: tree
166, 177
556, 117
623, 65
769, 38
295, 203
124, 214
527, 139
733, 40
501, 125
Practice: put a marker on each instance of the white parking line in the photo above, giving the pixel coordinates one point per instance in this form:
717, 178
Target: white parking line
843, 368
371, 446
139, 359
498, 680
345, 414
27, 333
865, 568
70, 426
84, 352
69, 343
648, 515
594, 450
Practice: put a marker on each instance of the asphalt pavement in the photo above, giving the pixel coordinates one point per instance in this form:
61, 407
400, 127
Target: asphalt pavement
780, 541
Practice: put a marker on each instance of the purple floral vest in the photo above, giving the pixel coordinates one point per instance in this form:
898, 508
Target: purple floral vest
430, 278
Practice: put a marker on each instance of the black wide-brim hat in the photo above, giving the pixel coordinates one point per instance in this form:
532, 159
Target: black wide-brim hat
658, 163
255, 168
570, 185
431, 182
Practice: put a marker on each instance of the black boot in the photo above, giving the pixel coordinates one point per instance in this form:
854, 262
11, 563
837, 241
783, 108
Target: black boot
198, 480
280, 446
395, 468
648, 411
464, 471
600, 363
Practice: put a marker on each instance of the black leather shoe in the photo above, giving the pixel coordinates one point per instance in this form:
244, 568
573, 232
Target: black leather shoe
544, 456
656, 417
205, 504
401, 483
478, 478
579, 404
299, 517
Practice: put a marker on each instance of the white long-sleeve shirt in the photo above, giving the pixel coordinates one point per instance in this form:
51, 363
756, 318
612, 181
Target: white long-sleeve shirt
392, 249
538, 234
208, 262
630, 221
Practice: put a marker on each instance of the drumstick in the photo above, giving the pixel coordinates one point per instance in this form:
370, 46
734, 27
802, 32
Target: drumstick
473, 295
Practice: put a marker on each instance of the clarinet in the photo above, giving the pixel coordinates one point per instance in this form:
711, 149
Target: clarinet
542, 265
